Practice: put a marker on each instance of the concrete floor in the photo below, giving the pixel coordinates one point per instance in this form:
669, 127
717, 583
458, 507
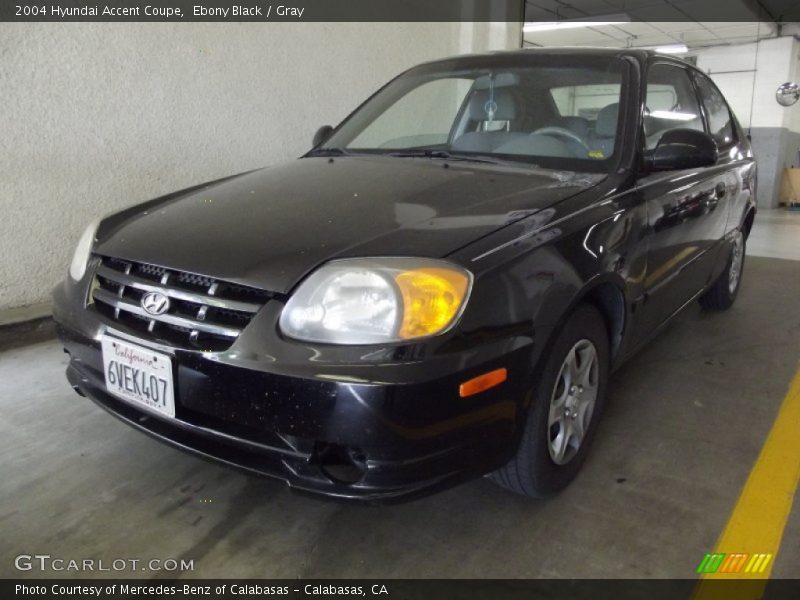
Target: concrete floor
776, 233
686, 421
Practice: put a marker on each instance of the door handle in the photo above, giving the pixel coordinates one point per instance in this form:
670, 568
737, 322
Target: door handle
720, 190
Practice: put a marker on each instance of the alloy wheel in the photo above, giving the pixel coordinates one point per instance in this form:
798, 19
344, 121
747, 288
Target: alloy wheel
572, 402
737, 258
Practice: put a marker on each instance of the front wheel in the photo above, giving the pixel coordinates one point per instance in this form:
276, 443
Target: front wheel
567, 401
722, 293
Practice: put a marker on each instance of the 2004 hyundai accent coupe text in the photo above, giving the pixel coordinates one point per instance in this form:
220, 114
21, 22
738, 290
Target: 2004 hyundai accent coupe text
437, 291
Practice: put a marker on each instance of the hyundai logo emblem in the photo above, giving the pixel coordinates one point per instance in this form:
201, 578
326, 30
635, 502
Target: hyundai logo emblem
155, 303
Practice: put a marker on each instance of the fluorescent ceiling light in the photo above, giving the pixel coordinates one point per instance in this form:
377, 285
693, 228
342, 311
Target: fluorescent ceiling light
673, 115
672, 49
573, 23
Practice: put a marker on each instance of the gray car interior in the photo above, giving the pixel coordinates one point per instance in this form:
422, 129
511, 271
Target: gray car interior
498, 120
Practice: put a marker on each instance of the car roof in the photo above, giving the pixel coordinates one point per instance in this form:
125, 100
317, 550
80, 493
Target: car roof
577, 51
638, 54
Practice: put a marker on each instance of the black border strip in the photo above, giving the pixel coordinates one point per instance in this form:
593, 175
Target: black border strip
397, 589
177, 11
262, 10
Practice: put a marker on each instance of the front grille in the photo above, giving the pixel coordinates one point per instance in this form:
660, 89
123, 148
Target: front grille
204, 313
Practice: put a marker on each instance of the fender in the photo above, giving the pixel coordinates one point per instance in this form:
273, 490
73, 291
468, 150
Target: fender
606, 291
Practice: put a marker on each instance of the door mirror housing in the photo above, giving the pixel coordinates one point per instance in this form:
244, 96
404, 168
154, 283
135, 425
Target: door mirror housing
787, 94
322, 135
682, 149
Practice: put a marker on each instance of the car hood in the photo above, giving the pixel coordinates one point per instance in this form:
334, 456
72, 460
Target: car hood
270, 227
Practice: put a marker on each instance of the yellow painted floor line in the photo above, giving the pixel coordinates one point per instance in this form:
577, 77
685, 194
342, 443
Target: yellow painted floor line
757, 522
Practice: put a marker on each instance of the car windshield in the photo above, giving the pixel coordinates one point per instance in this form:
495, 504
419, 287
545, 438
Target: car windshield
549, 110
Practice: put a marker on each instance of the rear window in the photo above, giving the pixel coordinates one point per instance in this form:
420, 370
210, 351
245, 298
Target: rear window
584, 101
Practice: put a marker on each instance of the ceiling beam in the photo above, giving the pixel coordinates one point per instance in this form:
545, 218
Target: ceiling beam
762, 11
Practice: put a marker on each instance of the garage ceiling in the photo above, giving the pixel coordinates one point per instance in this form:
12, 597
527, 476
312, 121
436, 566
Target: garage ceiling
655, 23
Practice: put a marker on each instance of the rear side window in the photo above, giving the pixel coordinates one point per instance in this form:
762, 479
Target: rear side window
671, 103
720, 123
584, 101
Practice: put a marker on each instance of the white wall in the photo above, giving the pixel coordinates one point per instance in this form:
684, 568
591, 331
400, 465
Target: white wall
776, 64
99, 116
482, 37
793, 113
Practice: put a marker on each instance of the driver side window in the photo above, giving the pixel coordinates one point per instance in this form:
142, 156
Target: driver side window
670, 103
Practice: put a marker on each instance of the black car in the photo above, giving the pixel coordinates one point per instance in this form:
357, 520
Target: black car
437, 291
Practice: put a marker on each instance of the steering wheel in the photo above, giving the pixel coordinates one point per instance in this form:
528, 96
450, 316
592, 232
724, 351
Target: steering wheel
562, 133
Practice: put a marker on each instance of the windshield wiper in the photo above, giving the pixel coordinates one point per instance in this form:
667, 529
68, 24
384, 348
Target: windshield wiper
441, 154
328, 152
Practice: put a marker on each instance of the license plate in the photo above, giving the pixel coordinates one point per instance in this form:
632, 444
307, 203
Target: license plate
139, 375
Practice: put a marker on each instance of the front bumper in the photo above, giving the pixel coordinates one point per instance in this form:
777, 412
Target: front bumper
376, 441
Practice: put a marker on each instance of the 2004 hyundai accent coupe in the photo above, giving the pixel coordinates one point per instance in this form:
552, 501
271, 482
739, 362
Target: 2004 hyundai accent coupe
437, 291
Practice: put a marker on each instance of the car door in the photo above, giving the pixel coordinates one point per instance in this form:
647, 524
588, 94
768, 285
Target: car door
685, 208
722, 126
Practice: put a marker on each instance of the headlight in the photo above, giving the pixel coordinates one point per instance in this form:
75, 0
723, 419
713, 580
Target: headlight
77, 269
370, 301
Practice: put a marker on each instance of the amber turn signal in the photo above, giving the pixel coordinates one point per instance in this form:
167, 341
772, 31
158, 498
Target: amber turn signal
432, 298
482, 382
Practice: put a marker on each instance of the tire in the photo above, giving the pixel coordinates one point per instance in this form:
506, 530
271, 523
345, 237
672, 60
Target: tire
536, 470
722, 293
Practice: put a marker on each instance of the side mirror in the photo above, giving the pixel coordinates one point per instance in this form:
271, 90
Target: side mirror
787, 94
322, 135
682, 149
